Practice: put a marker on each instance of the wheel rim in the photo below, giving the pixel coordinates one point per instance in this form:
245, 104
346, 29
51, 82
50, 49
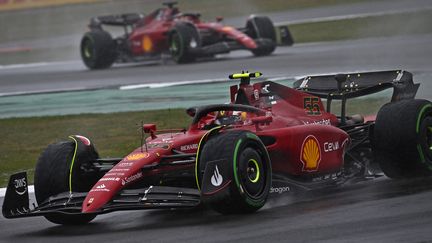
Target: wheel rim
87, 52
193, 43
175, 46
88, 49
253, 171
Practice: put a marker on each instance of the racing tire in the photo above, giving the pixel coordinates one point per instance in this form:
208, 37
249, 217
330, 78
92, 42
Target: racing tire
403, 139
52, 177
98, 49
262, 30
249, 164
183, 39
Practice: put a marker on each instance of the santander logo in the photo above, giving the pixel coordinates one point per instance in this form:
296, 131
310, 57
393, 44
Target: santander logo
216, 178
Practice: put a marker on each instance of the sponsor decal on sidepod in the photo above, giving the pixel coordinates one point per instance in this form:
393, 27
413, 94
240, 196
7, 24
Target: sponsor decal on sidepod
310, 154
331, 146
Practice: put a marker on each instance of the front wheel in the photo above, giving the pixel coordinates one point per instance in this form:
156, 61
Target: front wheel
58, 171
183, 39
262, 30
246, 169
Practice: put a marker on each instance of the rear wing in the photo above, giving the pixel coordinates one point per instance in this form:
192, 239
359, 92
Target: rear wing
352, 85
124, 20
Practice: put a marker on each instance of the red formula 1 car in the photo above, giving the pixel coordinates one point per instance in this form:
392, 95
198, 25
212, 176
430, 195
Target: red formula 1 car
183, 35
269, 140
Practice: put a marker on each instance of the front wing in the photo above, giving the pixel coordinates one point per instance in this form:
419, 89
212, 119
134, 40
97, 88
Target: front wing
16, 201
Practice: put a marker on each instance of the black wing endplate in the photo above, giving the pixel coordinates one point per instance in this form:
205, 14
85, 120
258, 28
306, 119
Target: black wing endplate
359, 84
16, 200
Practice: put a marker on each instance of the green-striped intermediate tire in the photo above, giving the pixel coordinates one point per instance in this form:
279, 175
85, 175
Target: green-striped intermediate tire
98, 49
261, 27
403, 138
183, 39
248, 161
52, 177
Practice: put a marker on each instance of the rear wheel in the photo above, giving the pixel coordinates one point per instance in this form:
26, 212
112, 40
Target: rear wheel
403, 138
248, 162
53, 176
98, 49
261, 29
184, 38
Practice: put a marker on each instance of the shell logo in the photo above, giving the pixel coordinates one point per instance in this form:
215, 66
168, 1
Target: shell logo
310, 154
147, 44
137, 156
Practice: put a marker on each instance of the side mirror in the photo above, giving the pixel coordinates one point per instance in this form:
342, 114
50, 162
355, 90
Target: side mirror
150, 128
191, 111
219, 18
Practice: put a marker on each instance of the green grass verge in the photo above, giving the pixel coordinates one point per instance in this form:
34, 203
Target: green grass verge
114, 135
376, 26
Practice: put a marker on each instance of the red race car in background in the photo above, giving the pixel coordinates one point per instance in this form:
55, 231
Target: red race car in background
183, 35
270, 140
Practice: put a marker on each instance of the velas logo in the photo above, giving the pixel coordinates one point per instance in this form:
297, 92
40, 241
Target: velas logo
137, 156
216, 179
310, 154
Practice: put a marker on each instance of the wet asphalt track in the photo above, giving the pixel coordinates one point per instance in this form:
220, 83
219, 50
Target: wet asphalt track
374, 211
409, 52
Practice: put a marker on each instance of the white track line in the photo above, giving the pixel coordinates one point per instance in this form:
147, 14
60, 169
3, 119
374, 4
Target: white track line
169, 84
36, 64
25, 65
352, 16
44, 91
3, 190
